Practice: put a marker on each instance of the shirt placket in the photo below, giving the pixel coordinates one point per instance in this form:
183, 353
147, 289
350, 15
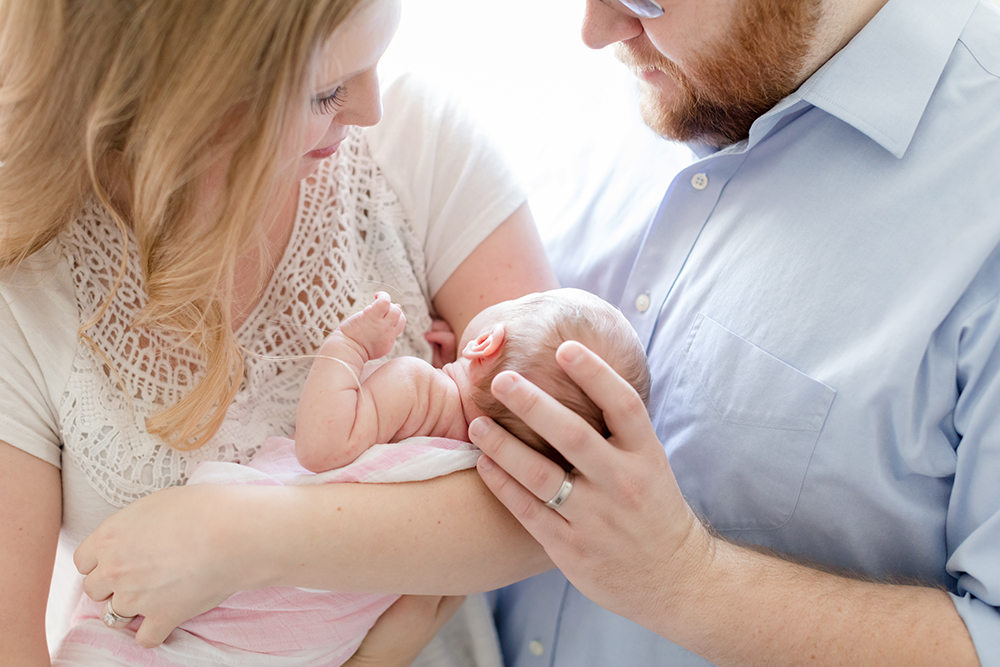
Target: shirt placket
679, 221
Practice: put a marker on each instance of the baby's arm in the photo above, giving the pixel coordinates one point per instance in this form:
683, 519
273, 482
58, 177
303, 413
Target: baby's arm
337, 417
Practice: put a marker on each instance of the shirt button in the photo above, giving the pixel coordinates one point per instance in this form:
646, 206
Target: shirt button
642, 303
699, 181
536, 647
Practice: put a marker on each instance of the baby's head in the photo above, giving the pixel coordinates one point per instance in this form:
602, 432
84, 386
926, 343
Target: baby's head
522, 335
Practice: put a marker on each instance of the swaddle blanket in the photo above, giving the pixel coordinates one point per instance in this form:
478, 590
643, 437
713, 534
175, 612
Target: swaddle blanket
272, 627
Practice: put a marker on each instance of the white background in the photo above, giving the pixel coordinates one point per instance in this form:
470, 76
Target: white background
520, 67
565, 116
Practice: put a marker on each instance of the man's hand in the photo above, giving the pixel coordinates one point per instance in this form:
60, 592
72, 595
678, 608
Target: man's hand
624, 536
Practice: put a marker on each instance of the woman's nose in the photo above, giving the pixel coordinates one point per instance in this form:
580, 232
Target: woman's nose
363, 105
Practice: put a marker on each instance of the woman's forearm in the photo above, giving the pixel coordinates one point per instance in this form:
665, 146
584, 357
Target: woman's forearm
182, 551
444, 536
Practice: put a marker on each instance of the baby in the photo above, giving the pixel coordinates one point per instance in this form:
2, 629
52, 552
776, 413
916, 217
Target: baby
340, 416
344, 428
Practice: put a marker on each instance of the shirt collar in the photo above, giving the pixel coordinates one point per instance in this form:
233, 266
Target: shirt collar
881, 82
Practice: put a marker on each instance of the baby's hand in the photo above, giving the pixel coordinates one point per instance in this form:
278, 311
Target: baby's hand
375, 328
444, 343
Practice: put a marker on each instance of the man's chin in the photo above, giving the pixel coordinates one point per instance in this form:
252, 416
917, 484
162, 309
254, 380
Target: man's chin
659, 112
680, 118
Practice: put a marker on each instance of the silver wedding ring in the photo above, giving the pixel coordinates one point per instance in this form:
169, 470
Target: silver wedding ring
562, 494
111, 618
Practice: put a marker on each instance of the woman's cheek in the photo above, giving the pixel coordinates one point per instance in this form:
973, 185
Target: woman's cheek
316, 130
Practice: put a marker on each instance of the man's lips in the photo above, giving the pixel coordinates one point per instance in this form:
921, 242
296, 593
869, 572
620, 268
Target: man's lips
647, 73
647, 70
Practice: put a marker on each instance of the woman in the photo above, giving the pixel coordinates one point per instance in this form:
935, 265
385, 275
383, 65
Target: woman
187, 206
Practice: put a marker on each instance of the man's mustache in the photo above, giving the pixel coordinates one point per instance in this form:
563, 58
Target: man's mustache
636, 58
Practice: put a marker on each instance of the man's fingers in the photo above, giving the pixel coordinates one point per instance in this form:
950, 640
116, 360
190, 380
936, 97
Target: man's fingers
542, 523
574, 438
533, 471
624, 412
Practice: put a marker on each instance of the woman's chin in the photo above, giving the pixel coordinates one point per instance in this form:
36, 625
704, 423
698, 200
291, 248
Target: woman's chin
307, 168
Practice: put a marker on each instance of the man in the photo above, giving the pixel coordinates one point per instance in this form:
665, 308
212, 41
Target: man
818, 294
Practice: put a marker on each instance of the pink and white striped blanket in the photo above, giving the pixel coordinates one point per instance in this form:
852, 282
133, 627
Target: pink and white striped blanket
271, 627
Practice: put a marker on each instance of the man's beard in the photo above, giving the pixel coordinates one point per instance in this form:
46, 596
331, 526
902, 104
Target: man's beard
736, 81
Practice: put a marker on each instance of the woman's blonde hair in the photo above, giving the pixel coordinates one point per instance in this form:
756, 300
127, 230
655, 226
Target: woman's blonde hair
131, 102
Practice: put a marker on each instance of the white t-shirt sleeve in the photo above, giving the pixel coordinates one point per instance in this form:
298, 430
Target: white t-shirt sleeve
452, 182
38, 325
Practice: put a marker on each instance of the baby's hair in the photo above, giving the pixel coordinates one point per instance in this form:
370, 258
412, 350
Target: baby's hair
533, 332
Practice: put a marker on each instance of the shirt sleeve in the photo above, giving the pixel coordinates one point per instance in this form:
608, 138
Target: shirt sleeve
451, 181
973, 531
38, 323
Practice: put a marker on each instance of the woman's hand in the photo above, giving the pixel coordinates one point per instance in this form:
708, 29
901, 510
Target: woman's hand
168, 557
625, 537
404, 630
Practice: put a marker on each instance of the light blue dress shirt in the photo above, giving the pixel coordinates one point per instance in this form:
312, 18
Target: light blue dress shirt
820, 309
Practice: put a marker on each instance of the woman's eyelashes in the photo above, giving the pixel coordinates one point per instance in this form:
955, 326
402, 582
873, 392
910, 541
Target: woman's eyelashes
331, 103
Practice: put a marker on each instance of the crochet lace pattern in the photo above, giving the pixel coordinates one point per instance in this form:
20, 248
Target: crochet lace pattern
351, 239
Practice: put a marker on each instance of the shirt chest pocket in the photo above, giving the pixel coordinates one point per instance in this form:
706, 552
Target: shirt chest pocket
742, 429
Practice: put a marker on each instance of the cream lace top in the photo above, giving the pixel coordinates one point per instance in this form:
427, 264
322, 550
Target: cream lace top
398, 208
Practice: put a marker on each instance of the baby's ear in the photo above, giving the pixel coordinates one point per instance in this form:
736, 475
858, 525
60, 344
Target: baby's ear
485, 345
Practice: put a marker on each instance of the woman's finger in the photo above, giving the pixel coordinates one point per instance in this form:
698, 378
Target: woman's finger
84, 558
404, 630
96, 587
447, 607
624, 412
154, 632
116, 617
